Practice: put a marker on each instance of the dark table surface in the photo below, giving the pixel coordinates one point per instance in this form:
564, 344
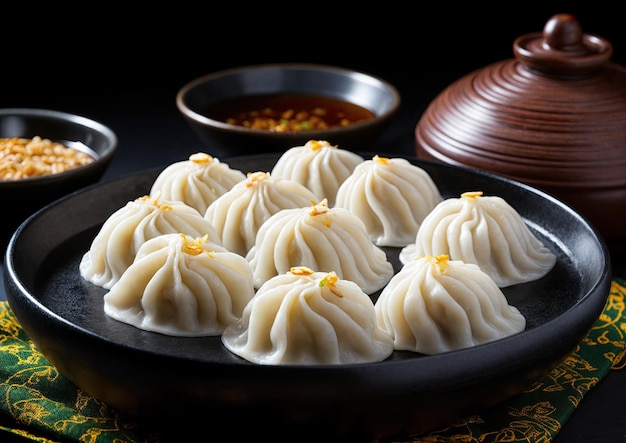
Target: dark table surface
130, 86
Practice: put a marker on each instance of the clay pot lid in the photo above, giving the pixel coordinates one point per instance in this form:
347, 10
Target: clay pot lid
554, 116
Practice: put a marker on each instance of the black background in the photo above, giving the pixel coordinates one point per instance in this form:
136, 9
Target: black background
95, 59
123, 66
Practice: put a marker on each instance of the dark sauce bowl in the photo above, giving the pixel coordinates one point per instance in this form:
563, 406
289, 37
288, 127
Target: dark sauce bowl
354, 88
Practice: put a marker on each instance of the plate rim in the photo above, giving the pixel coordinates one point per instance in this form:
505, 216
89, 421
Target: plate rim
20, 296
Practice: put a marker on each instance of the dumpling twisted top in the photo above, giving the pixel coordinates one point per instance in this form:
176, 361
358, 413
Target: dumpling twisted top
238, 214
434, 305
319, 166
182, 286
306, 317
321, 238
114, 247
486, 231
197, 181
392, 196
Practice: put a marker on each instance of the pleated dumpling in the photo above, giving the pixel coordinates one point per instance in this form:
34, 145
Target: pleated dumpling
123, 232
392, 196
486, 231
434, 305
181, 286
321, 238
197, 181
238, 214
304, 317
319, 166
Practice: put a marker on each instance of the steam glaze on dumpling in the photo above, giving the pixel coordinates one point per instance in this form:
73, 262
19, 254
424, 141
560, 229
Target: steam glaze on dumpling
434, 305
321, 238
114, 248
197, 181
319, 166
486, 231
238, 214
392, 196
181, 286
304, 317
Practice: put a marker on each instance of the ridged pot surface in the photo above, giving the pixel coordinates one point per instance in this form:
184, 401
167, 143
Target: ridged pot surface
553, 117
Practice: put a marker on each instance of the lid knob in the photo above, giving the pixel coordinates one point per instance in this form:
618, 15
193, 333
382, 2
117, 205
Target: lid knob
562, 49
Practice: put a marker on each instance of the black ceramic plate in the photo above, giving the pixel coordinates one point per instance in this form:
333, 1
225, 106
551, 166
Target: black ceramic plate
161, 377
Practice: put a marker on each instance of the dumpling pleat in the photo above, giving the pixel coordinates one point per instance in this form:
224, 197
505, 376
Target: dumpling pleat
391, 196
306, 319
197, 181
485, 231
319, 166
333, 240
239, 213
434, 305
181, 286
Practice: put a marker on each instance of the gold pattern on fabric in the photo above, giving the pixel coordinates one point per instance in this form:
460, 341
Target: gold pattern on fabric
538, 413
38, 404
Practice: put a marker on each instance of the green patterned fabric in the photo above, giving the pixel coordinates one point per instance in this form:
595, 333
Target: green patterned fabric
40, 405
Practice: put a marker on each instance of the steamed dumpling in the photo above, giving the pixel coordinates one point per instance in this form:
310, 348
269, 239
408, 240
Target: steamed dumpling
433, 305
116, 244
181, 286
486, 231
392, 196
319, 166
321, 238
309, 318
238, 214
197, 181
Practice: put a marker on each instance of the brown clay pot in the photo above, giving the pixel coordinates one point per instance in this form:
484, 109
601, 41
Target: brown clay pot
553, 117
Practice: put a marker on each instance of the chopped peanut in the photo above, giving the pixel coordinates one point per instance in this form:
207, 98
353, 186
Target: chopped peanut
25, 158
